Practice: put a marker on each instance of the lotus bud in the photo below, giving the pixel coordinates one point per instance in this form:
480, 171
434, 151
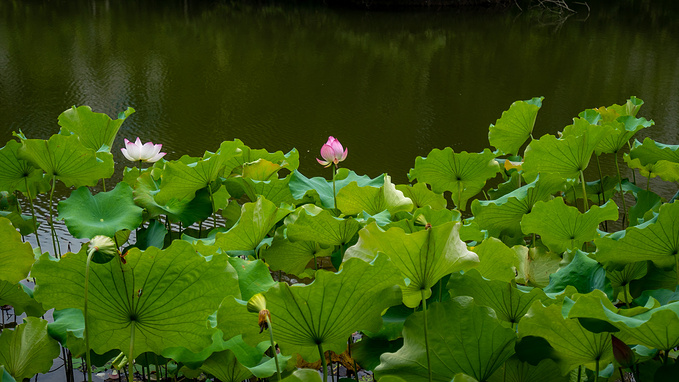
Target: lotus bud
623, 353
257, 304
104, 249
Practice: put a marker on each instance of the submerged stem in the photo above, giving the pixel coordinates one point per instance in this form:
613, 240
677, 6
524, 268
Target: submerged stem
622, 193
323, 362
273, 346
426, 335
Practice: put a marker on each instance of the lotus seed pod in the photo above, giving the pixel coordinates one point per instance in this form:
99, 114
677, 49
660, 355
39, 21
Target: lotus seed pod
104, 249
257, 303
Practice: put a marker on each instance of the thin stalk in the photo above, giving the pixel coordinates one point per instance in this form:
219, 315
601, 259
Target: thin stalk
648, 182
676, 264
55, 239
157, 368
30, 202
323, 362
103, 184
90, 253
273, 347
601, 181
584, 192
212, 203
622, 193
596, 372
130, 359
426, 335
579, 372
622, 377
334, 193
349, 342
315, 262
626, 290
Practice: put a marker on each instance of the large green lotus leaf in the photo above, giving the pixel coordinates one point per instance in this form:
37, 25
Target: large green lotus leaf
353, 200
187, 211
597, 191
234, 319
418, 220
367, 351
463, 174
502, 216
24, 223
181, 179
653, 152
68, 327
326, 312
226, 367
622, 277
647, 204
253, 276
514, 370
574, 345
28, 350
656, 240
515, 125
276, 190
105, 213
66, 158
16, 257
261, 169
509, 302
256, 220
15, 173
319, 225
304, 375
536, 264
5, 376
293, 257
655, 278
422, 196
250, 157
583, 273
565, 156
497, 261
663, 296
20, 297
631, 107
166, 294
94, 129
320, 190
563, 227
666, 170
623, 129
464, 337
422, 257
654, 328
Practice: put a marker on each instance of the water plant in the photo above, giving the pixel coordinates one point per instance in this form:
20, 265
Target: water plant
545, 277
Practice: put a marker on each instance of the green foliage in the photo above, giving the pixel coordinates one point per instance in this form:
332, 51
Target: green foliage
16, 257
510, 132
28, 349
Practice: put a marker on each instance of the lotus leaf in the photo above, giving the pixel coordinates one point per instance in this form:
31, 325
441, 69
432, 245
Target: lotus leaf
249, 156
315, 224
656, 240
320, 190
652, 152
94, 129
27, 350
497, 261
368, 350
509, 302
20, 297
467, 339
422, 257
515, 125
181, 179
654, 328
304, 375
502, 216
16, 257
276, 190
67, 159
256, 220
23, 223
574, 345
623, 129
88, 215
166, 295
463, 174
647, 204
583, 273
5, 376
292, 257
352, 199
326, 312
253, 277
565, 156
422, 196
563, 227
16, 173
597, 191
516, 371
226, 367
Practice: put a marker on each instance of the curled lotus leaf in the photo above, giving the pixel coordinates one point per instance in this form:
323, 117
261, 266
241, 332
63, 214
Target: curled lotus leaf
96, 130
515, 125
651, 151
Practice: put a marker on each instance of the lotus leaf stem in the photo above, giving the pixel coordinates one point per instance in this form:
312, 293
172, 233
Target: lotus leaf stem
596, 372
103, 184
626, 291
622, 193
90, 253
30, 202
426, 335
334, 193
130, 359
601, 181
585, 204
323, 362
55, 240
273, 347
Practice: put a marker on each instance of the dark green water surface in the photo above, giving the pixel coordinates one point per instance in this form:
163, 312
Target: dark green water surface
390, 85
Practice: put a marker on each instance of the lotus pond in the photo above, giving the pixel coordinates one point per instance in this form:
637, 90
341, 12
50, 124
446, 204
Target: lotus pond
192, 263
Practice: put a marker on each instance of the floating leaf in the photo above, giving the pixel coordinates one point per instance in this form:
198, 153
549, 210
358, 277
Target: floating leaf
515, 125
27, 350
563, 227
573, 344
463, 174
423, 257
502, 216
67, 159
105, 213
508, 301
166, 294
320, 190
16, 257
352, 199
656, 240
326, 312
476, 345
95, 130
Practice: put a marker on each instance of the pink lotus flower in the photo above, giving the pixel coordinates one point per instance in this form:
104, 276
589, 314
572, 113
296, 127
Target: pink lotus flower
147, 152
333, 152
